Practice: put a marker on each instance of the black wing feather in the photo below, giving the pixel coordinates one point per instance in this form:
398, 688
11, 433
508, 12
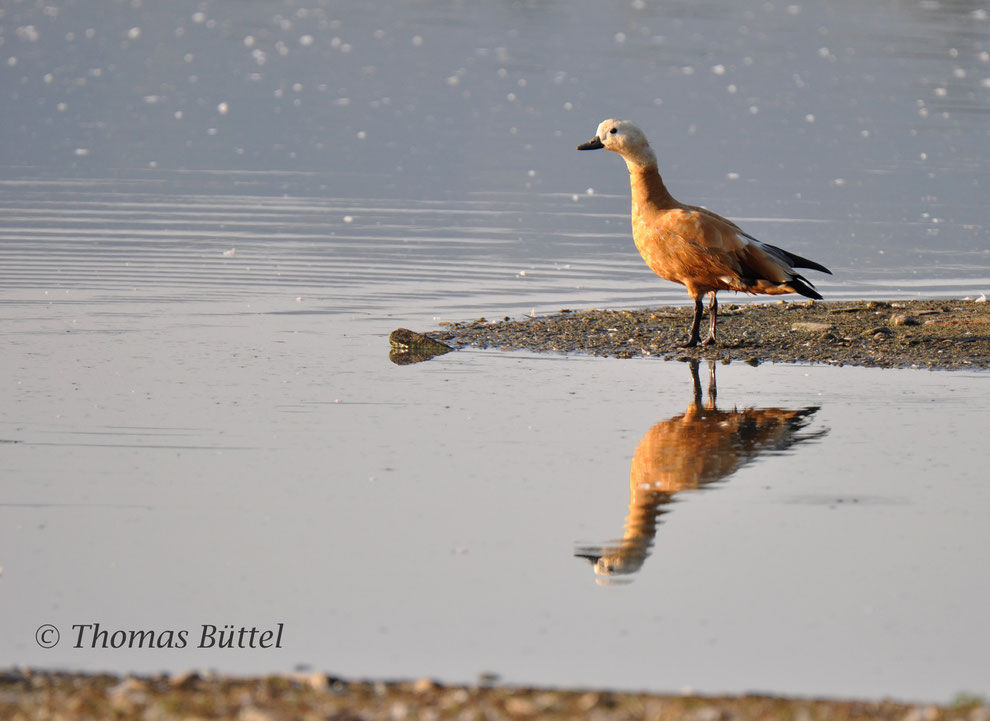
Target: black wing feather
795, 261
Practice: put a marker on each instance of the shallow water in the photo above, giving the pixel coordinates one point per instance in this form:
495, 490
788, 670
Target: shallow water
203, 249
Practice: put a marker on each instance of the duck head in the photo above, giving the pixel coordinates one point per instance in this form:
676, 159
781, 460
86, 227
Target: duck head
624, 138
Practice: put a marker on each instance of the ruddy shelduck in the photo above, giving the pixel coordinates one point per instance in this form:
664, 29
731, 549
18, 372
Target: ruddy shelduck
693, 246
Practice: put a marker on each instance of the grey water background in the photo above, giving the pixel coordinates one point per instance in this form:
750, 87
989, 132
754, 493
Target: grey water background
213, 213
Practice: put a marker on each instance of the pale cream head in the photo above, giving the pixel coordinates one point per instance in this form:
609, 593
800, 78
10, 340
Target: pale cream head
624, 138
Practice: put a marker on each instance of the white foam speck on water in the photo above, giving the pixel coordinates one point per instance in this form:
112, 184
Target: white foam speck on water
28, 33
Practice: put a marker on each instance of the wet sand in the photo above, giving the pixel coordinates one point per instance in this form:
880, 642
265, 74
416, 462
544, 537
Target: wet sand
38, 694
942, 334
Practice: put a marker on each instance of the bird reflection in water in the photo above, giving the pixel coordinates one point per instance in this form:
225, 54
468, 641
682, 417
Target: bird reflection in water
687, 452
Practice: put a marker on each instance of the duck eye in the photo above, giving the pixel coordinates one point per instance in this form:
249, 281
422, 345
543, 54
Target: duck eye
613, 131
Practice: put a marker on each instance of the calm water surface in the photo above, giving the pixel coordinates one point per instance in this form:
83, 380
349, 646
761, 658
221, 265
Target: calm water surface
212, 214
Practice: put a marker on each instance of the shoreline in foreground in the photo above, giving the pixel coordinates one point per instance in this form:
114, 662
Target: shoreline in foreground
33, 694
934, 334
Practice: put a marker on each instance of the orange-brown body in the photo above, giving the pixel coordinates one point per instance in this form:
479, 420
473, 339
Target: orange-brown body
692, 246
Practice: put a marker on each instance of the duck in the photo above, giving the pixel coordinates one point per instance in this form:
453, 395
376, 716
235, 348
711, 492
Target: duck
693, 246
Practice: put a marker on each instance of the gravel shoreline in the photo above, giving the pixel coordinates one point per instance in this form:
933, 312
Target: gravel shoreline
936, 334
29, 694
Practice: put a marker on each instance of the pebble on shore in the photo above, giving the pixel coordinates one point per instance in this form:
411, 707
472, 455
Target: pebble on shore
30, 694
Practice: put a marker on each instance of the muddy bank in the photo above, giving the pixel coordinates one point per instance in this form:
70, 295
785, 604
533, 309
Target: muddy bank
887, 334
43, 695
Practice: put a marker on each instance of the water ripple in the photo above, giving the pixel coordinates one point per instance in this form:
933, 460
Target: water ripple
501, 251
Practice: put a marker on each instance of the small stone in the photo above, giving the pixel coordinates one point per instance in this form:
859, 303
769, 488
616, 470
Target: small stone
808, 325
520, 706
488, 678
459, 696
904, 319
708, 713
318, 681
128, 686
425, 685
128, 694
183, 680
253, 713
547, 701
587, 701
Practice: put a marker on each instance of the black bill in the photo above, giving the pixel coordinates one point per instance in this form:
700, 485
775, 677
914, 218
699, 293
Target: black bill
593, 144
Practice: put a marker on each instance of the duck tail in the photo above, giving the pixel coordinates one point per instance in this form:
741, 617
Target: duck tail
796, 261
801, 285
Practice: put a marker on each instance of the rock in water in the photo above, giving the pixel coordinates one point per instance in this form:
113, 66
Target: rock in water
411, 347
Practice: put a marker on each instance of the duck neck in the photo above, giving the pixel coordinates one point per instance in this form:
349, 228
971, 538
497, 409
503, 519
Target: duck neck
647, 186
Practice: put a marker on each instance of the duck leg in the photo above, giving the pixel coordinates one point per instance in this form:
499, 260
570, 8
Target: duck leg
712, 385
695, 381
713, 312
695, 324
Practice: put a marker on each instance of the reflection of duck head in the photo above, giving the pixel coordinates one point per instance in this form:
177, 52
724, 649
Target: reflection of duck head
687, 452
